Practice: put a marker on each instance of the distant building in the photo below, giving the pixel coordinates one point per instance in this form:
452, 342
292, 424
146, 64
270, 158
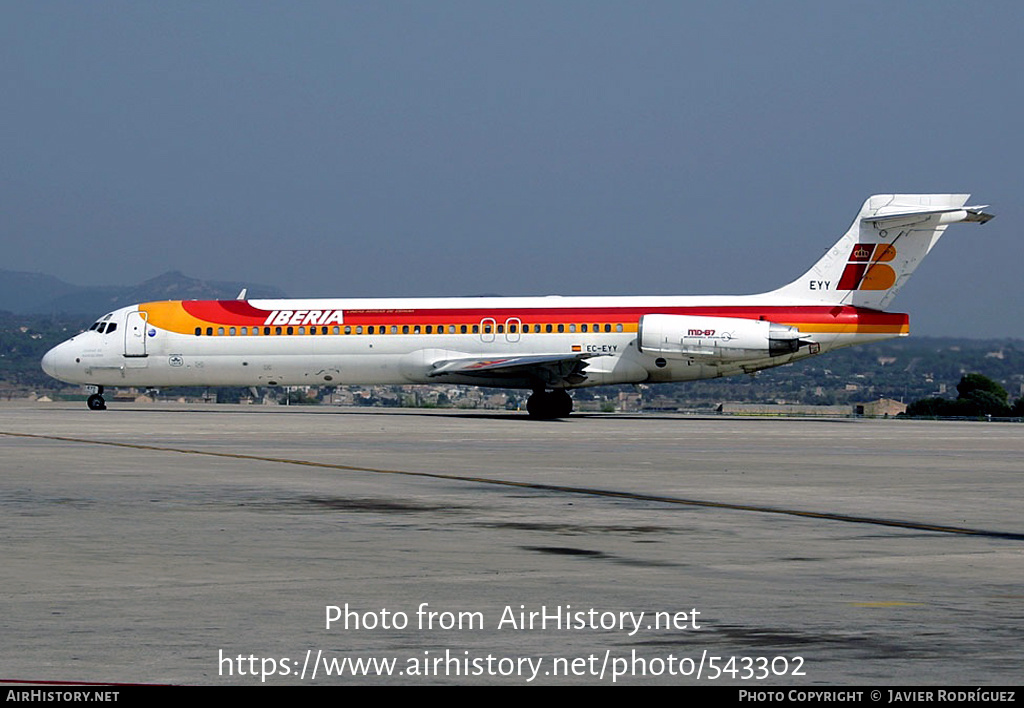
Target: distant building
882, 407
629, 401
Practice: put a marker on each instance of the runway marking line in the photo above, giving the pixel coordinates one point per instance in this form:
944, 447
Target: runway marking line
890, 603
588, 491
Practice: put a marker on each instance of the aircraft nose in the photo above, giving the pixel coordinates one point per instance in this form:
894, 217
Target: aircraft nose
49, 362
56, 362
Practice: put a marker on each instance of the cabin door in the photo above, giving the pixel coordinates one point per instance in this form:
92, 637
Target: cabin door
135, 334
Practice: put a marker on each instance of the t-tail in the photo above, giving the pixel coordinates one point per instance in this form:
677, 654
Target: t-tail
887, 241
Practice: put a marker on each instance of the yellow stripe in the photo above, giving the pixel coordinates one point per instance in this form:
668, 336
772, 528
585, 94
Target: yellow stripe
851, 329
170, 316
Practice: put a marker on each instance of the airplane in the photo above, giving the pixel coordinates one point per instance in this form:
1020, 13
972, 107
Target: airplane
548, 345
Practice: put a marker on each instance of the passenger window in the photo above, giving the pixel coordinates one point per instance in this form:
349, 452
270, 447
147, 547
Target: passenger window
415, 329
430, 329
618, 327
348, 329
199, 331
405, 329
302, 330
607, 328
232, 331
583, 328
220, 331
463, 329
548, 328
209, 331
561, 328
501, 329
336, 330
359, 329
572, 328
291, 330
476, 329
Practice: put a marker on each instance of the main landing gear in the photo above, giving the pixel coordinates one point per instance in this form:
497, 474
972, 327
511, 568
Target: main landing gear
96, 402
546, 405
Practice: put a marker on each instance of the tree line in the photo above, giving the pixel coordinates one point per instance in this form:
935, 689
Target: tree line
977, 396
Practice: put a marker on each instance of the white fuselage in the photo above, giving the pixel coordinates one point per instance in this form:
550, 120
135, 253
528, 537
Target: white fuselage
281, 342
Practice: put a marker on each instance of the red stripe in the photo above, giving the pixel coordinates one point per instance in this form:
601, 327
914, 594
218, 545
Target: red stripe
239, 312
236, 312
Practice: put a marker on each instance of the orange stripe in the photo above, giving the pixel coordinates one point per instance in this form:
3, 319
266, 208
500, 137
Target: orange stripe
184, 317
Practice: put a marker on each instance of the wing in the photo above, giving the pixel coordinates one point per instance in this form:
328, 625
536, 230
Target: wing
552, 370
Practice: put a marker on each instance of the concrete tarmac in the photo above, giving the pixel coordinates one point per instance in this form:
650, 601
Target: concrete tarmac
192, 544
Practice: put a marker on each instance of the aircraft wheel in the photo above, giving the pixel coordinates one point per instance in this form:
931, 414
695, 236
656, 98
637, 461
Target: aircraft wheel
562, 403
539, 406
96, 402
547, 405
535, 405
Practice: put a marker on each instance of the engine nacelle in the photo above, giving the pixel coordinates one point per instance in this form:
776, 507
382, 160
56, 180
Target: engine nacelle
723, 338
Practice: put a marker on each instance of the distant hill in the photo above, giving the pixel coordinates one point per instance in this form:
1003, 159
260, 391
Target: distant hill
36, 293
21, 291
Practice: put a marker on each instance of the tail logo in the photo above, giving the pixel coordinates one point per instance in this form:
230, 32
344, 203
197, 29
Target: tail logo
866, 268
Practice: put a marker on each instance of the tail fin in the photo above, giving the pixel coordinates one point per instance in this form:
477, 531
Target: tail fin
875, 258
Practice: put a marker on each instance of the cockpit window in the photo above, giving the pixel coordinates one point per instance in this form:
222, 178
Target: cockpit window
100, 325
111, 327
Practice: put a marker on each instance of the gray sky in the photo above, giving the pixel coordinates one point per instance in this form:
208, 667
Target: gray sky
519, 148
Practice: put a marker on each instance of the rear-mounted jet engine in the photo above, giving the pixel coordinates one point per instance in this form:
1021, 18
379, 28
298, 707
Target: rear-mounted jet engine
721, 338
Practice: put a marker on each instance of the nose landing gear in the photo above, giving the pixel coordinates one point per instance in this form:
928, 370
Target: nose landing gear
547, 405
96, 402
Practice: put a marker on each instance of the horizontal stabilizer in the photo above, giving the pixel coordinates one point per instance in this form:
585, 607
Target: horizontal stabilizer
967, 213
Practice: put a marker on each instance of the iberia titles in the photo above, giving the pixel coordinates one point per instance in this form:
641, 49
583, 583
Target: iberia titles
305, 317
